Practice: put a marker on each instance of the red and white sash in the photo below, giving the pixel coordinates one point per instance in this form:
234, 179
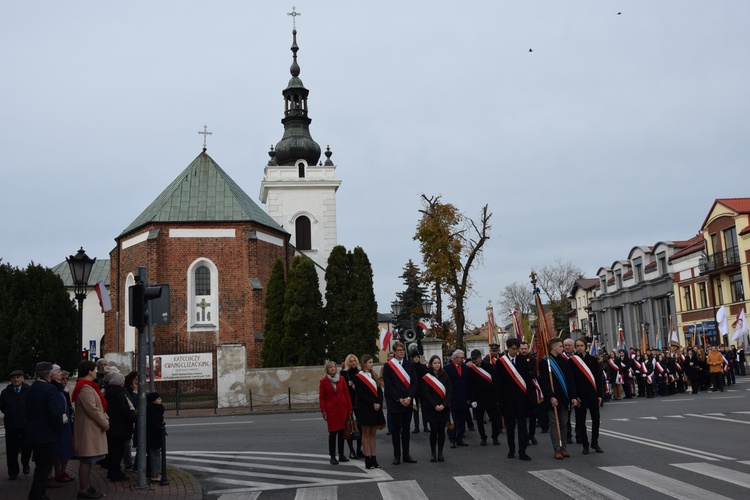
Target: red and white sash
400, 372
659, 367
613, 365
578, 361
482, 373
436, 384
514, 373
537, 387
369, 382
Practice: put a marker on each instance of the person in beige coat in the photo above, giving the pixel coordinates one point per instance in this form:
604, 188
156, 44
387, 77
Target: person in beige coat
91, 424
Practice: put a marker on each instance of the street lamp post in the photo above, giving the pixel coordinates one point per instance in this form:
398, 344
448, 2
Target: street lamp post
397, 307
80, 269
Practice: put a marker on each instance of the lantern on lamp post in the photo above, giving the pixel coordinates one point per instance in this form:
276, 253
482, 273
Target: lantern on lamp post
80, 266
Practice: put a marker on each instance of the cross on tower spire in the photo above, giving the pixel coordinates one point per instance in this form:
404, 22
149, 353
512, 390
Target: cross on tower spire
204, 134
294, 15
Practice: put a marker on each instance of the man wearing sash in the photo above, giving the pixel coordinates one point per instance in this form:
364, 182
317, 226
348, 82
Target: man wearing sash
514, 390
458, 372
559, 392
537, 413
482, 396
400, 382
493, 355
569, 352
590, 389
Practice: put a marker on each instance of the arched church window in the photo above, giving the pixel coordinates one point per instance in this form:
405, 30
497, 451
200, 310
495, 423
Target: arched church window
301, 170
303, 239
203, 297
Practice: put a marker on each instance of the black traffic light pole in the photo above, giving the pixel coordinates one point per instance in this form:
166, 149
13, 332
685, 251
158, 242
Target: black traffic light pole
142, 456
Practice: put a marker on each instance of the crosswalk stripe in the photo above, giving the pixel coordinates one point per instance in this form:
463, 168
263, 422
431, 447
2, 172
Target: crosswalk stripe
320, 493
297, 459
662, 484
720, 473
705, 455
398, 490
486, 486
251, 495
575, 486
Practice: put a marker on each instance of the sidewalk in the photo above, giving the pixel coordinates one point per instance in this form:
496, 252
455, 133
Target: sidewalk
182, 486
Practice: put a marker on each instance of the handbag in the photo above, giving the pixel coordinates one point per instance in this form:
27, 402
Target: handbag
351, 431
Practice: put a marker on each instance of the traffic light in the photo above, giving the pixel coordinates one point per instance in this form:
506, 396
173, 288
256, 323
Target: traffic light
138, 297
85, 355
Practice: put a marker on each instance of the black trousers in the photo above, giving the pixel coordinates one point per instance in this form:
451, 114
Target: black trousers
17, 442
494, 415
334, 438
115, 454
437, 436
581, 434
460, 417
44, 458
513, 420
401, 433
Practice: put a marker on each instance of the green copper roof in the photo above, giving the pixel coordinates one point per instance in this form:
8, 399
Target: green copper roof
100, 272
203, 192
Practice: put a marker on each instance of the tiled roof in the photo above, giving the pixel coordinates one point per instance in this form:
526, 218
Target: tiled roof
203, 192
745, 231
739, 205
694, 244
100, 272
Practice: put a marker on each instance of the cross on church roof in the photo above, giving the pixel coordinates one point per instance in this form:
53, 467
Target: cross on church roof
294, 15
204, 134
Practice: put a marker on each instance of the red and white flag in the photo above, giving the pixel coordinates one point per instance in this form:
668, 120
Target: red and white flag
423, 325
104, 301
385, 339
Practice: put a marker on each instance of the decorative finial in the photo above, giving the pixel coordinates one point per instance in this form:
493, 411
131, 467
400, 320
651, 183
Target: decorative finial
294, 15
489, 305
272, 154
204, 134
328, 154
533, 281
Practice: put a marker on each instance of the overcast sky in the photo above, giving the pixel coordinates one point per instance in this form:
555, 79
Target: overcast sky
618, 130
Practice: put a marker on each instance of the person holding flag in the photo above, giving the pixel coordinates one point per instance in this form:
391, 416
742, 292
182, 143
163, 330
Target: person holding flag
590, 388
559, 389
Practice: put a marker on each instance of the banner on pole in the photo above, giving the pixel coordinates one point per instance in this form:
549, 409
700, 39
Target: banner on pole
193, 366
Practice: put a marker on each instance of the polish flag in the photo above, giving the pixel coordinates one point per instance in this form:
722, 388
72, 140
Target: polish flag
385, 339
421, 324
104, 301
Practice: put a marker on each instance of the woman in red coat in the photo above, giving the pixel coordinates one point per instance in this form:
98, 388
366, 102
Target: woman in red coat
336, 406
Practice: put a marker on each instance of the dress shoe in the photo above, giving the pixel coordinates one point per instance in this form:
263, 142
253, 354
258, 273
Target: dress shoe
461, 442
90, 494
415, 431
524, 457
565, 453
342, 458
511, 454
116, 479
453, 444
374, 462
533, 440
409, 460
352, 455
483, 442
360, 454
596, 448
440, 457
495, 441
558, 455
26, 469
334, 461
368, 463
396, 461
585, 450
433, 459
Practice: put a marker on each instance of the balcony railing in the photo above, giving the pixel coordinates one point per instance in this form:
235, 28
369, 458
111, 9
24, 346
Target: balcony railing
720, 260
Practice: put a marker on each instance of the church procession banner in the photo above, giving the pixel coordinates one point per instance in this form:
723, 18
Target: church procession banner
191, 366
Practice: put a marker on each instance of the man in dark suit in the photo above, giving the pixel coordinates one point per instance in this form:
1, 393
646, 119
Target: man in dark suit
13, 407
400, 382
513, 389
493, 355
458, 373
45, 409
482, 396
590, 389
559, 391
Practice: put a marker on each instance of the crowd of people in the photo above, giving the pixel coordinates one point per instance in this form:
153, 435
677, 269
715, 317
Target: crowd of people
511, 390
94, 424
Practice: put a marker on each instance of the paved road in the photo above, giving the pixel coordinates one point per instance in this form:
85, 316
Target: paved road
680, 446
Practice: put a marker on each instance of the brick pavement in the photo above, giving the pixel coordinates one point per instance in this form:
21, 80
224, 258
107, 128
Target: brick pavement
182, 486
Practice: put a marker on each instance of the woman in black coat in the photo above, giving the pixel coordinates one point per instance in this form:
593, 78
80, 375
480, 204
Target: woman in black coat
437, 392
121, 418
369, 396
694, 370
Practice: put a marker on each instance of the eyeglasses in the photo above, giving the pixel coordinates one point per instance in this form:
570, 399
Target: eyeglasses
398, 350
